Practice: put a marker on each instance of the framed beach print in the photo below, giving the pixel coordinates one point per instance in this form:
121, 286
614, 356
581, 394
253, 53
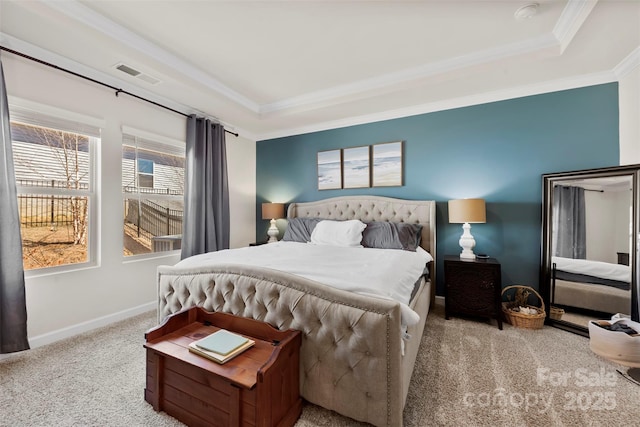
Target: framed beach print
329, 170
387, 164
356, 167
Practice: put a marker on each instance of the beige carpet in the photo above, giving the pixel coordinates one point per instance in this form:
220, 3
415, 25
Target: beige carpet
468, 373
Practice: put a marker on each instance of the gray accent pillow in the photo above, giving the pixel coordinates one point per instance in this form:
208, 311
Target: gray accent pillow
299, 229
392, 235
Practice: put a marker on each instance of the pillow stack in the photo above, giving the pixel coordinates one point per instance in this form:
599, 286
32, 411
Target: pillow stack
354, 233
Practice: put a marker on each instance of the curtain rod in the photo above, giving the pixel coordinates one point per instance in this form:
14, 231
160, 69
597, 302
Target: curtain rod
118, 90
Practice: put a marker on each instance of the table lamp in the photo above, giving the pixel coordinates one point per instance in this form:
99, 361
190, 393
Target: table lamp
466, 211
272, 211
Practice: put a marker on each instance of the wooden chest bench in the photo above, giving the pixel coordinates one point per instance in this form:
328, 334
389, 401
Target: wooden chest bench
259, 387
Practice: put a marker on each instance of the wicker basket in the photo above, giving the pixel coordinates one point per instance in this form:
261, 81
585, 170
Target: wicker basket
521, 320
556, 313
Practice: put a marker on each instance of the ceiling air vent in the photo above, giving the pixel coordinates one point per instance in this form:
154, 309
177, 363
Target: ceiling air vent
137, 74
128, 70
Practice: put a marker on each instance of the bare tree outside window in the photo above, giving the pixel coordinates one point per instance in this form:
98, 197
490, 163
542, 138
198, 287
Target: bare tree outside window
53, 177
66, 148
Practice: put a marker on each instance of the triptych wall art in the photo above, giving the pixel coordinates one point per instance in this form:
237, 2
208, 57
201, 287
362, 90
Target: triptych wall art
378, 165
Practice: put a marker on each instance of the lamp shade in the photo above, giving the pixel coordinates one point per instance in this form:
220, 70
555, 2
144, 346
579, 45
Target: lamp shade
467, 210
272, 210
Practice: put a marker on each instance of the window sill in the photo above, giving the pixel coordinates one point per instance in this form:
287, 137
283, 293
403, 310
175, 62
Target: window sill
150, 256
61, 269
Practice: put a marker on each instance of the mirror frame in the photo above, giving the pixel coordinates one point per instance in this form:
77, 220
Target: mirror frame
548, 181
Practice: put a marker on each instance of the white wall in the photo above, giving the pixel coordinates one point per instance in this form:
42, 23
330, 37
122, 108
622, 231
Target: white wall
629, 98
241, 167
62, 304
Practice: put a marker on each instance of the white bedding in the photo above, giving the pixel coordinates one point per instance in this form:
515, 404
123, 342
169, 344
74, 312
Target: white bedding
383, 273
600, 269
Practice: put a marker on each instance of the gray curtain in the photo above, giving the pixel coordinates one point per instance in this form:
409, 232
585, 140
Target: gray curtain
205, 224
13, 309
569, 230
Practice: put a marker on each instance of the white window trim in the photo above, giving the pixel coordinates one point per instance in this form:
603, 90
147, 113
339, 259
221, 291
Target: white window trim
25, 106
22, 108
150, 136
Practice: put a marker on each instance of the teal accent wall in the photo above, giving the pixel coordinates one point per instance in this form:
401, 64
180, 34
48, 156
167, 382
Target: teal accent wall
496, 151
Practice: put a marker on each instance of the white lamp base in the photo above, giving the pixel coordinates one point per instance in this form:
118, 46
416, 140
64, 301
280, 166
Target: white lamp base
273, 232
467, 242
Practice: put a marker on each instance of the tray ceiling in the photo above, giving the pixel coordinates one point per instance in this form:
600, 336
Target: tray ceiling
269, 69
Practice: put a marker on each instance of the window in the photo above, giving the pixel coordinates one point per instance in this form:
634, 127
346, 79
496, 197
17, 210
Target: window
54, 162
153, 188
145, 173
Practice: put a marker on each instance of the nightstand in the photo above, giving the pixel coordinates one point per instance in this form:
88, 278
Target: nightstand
257, 243
473, 287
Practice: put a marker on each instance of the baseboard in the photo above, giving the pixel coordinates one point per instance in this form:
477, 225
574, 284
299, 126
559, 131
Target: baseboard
89, 325
439, 300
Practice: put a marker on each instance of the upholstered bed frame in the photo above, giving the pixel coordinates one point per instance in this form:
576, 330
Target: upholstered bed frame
351, 355
605, 299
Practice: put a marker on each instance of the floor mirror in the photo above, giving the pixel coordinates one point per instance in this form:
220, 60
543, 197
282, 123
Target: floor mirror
590, 233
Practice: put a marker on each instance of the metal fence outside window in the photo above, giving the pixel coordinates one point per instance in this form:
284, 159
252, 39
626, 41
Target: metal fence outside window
38, 210
158, 225
146, 217
153, 218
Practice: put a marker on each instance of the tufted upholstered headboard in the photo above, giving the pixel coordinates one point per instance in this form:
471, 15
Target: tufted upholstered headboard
376, 208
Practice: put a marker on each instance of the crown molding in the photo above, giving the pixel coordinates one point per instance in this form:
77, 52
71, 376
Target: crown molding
571, 19
449, 104
628, 64
95, 20
365, 88
573, 16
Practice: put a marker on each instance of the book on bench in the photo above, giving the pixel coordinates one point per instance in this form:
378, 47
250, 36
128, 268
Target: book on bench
221, 346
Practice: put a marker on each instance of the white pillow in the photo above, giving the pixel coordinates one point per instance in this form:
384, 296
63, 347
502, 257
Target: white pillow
338, 233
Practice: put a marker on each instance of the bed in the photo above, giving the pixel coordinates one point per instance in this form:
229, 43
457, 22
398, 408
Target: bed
592, 285
355, 357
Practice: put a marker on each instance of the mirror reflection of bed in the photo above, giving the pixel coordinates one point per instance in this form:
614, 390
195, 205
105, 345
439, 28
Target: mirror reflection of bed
590, 245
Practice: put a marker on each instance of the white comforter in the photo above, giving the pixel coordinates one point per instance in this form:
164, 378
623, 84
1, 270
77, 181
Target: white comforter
383, 273
600, 269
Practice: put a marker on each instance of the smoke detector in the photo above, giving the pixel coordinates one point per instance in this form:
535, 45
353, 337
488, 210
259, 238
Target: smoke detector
526, 11
127, 69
